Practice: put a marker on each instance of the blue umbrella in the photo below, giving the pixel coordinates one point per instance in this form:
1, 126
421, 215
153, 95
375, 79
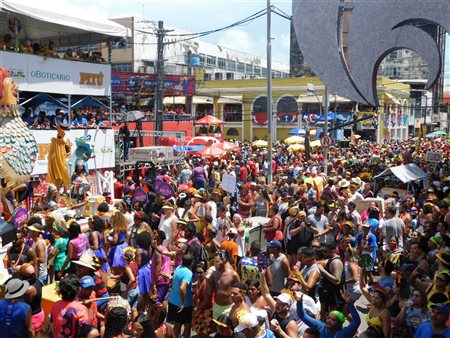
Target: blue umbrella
297, 131
330, 117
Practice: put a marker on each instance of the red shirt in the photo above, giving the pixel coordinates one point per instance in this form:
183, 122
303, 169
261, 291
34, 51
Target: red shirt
243, 173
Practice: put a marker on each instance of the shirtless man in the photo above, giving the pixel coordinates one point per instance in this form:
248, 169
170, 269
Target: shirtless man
238, 297
220, 284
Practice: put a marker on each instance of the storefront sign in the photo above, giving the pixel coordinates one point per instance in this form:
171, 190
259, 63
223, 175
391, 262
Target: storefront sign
101, 140
51, 75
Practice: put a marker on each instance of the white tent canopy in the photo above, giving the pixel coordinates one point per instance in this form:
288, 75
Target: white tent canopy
406, 173
59, 21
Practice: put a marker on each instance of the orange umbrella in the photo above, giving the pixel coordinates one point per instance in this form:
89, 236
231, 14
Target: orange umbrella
225, 146
211, 152
209, 120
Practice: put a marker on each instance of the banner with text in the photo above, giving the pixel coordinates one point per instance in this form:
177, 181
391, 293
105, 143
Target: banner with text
126, 82
100, 142
49, 75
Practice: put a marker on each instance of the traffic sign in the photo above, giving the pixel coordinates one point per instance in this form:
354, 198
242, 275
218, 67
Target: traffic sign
326, 141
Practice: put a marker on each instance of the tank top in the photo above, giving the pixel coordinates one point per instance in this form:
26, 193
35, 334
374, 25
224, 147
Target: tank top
124, 278
80, 244
100, 240
353, 287
283, 322
199, 173
213, 207
165, 267
277, 274
13, 315
375, 321
36, 301
166, 226
260, 208
42, 266
306, 272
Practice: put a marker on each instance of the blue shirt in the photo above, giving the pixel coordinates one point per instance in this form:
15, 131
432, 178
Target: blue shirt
80, 122
13, 317
181, 274
425, 331
372, 241
346, 332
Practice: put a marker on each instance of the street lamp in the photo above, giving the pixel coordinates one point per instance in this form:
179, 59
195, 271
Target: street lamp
310, 91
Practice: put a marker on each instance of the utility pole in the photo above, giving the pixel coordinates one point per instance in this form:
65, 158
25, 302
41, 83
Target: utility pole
189, 97
158, 113
325, 149
269, 93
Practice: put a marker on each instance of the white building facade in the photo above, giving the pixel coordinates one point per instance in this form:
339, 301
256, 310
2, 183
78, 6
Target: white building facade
208, 61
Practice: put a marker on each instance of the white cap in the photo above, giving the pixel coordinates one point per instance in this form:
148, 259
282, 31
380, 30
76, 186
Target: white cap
284, 298
247, 321
232, 231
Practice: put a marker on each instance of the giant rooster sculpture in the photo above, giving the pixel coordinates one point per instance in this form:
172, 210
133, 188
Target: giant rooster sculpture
18, 148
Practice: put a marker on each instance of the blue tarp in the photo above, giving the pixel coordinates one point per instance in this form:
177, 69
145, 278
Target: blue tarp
178, 149
40, 99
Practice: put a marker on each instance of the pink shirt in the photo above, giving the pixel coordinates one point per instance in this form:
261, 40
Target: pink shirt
165, 267
67, 317
80, 244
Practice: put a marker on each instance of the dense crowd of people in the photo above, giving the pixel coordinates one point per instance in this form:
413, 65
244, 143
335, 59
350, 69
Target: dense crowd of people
155, 264
27, 46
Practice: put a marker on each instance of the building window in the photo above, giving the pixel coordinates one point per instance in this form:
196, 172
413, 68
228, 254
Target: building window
232, 112
129, 44
257, 71
249, 69
241, 67
264, 72
222, 63
232, 132
121, 67
202, 59
231, 65
210, 61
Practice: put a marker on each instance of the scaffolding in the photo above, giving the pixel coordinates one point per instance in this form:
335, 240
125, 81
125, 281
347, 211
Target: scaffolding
153, 161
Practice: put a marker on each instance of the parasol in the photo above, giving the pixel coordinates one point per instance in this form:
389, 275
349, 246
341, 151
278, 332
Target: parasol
296, 147
225, 146
260, 143
210, 121
315, 144
211, 152
294, 139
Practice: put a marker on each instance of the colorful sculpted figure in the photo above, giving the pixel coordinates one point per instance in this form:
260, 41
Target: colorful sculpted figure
18, 148
58, 153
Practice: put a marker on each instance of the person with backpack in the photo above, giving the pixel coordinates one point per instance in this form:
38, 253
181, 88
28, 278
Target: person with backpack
195, 247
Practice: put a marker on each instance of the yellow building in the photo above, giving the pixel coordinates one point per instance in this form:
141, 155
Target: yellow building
242, 104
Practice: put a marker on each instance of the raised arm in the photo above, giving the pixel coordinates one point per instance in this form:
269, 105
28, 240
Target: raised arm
307, 319
265, 291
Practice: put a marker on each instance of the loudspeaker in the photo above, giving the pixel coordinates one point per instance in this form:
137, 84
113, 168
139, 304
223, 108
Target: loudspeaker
7, 232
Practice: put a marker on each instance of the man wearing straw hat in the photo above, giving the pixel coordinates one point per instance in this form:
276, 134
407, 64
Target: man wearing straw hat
15, 314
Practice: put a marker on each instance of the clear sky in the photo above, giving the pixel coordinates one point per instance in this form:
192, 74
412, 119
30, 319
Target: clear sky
204, 15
